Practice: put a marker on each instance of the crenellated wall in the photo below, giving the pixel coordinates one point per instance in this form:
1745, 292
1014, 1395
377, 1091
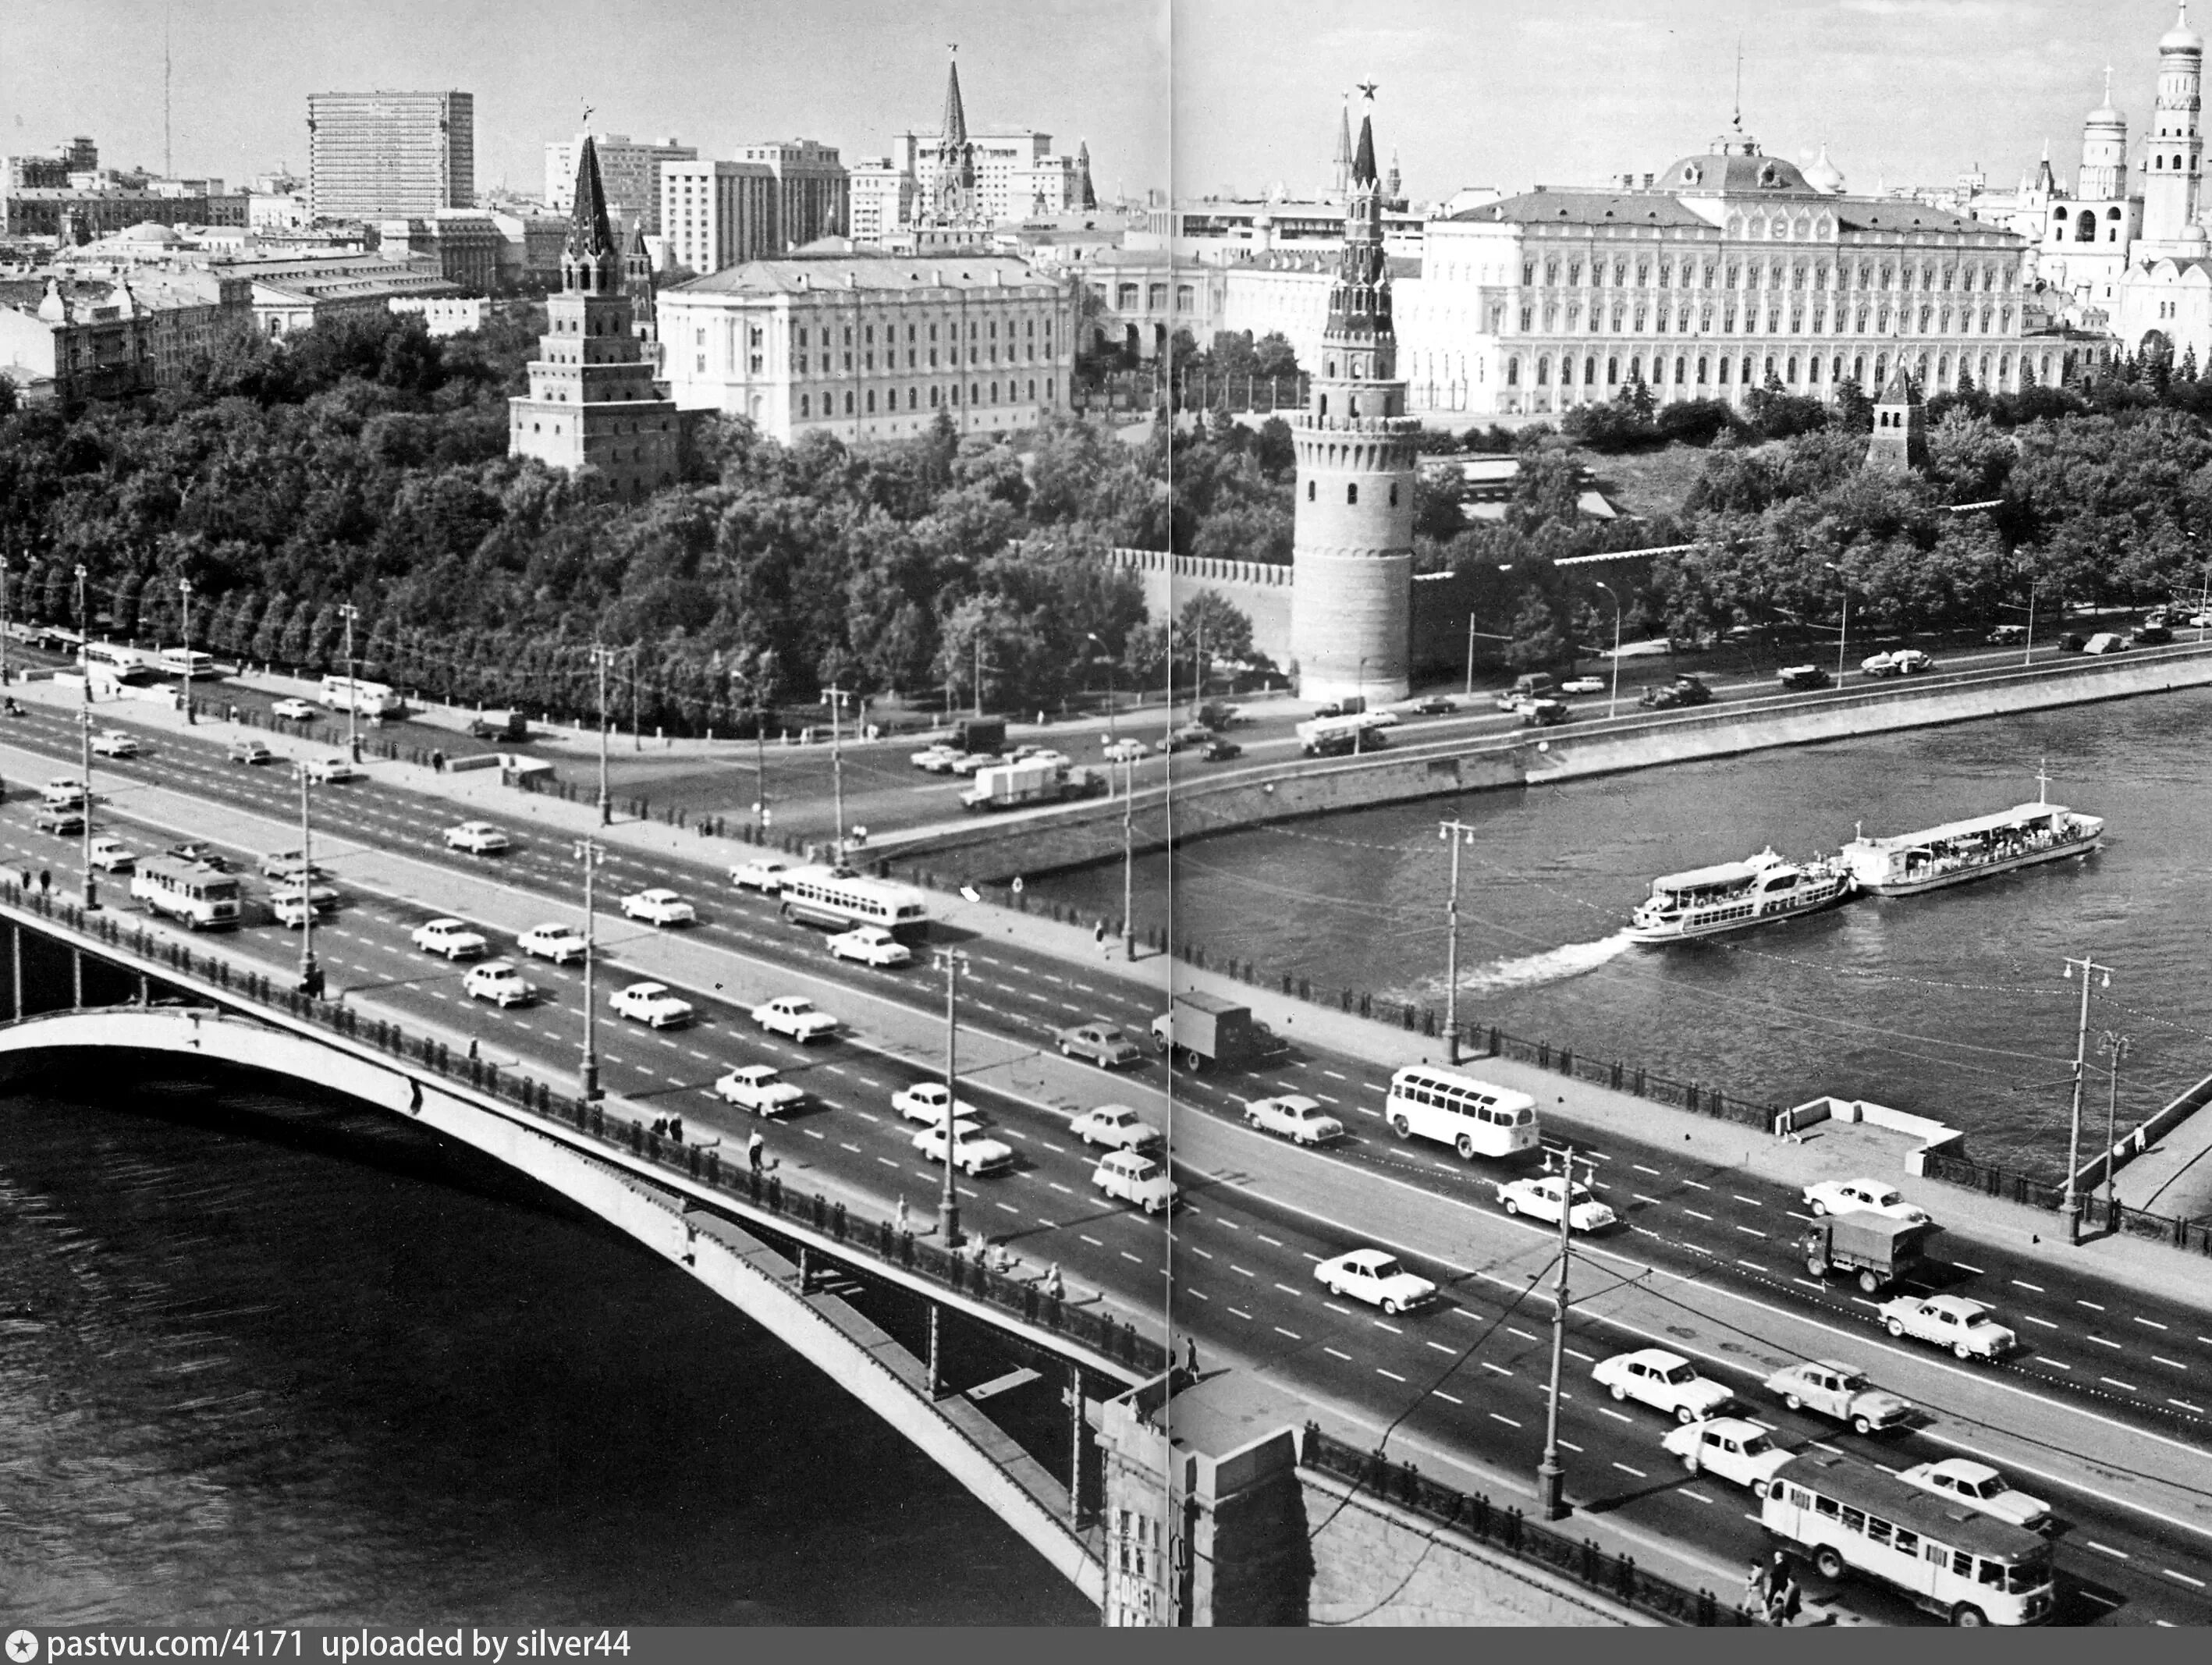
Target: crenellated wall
1260, 590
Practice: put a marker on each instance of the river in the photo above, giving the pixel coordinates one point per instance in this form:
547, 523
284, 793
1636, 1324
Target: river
1953, 1005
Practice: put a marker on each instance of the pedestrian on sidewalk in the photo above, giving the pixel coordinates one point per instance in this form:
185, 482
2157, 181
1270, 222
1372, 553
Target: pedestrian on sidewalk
756, 1150
1190, 1355
1053, 1288
903, 1224
1754, 1591
45, 880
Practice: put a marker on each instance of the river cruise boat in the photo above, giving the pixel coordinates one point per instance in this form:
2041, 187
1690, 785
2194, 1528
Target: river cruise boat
1959, 851
1736, 896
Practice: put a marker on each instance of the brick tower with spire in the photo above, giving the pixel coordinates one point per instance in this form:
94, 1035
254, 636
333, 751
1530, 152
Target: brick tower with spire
1352, 548
1898, 444
952, 218
592, 399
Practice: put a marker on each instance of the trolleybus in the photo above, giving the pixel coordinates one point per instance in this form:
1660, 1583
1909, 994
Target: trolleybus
1474, 1117
840, 898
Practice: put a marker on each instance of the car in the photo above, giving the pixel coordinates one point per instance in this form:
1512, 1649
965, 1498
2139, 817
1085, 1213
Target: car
1733, 1447
63, 823
558, 943
968, 763
1543, 713
332, 771
1803, 676
659, 907
1541, 1196
1683, 690
1904, 662
1116, 1126
1294, 1116
1839, 1390
2073, 642
1383, 719
1136, 1178
1219, 751
294, 710
111, 855
1582, 685
654, 1005
1099, 1041
1126, 751
1862, 1196
2008, 635
63, 792
2200, 620
973, 1152
1949, 1321
1040, 755
760, 1089
1435, 705
199, 854
477, 838
293, 909
1664, 1380
284, 863
763, 873
450, 938
250, 752
936, 757
1981, 1488
924, 1102
1378, 1279
870, 944
2147, 634
499, 982
115, 743
795, 1017
1190, 734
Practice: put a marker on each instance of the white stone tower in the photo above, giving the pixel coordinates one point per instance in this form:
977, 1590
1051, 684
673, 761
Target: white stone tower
2175, 148
2103, 152
1352, 553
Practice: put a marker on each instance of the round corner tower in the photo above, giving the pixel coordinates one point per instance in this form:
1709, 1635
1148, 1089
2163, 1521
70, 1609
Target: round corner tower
1352, 553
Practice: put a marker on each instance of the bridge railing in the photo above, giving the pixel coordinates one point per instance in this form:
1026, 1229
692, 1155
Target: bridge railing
867, 1237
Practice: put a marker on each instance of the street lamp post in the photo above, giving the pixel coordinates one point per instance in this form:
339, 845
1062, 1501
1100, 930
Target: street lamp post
761, 817
310, 973
1844, 631
835, 698
948, 1205
1128, 858
4, 579
185, 629
1550, 1476
600, 655
2070, 1204
1613, 703
1454, 833
1108, 658
349, 612
2028, 656
1470, 650
91, 885
591, 854
2115, 1046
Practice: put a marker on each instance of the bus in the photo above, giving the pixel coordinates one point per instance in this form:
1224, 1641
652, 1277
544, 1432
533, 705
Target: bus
180, 661
370, 699
124, 663
199, 896
841, 899
1474, 1117
1970, 1568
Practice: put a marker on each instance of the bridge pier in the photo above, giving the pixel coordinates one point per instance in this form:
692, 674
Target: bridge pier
16, 966
76, 977
1078, 1427
936, 1370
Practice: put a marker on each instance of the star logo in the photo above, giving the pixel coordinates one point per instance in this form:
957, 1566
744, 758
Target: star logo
1367, 89
22, 1647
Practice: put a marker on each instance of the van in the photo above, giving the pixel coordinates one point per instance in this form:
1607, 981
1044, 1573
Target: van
2104, 642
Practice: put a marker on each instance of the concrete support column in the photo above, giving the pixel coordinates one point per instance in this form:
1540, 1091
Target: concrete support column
936, 1366
1077, 1427
145, 991
15, 965
77, 978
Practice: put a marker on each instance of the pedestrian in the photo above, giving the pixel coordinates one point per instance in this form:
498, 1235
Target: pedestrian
756, 1150
1053, 1288
45, 880
438, 761
676, 1128
1098, 933
903, 1224
1791, 1603
1754, 1590
1190, 1355
472, 1049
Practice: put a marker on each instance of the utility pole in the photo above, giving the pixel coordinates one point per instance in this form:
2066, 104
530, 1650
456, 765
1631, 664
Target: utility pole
835, 700
599, 656
761, 817
636, 741
2028, 656
2071, 1205
2115, 1046
1109, 660
1613, 703
950, 961
4, 580
84, 742
1454, 833
1550, 1476
1128, 858
308, 973
591, 854
184, 601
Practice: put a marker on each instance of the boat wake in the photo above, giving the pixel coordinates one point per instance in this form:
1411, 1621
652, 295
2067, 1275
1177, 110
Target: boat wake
1533, 970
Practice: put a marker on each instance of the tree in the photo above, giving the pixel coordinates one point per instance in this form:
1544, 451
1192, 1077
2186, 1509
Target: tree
1224, 628
123, 605
268, 629
1537, 643
1854, 410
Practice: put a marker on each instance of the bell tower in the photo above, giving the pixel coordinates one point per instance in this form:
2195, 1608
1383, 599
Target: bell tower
2174, 151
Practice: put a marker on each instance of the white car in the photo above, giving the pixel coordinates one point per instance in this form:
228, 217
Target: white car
1116, 1126
924, 1102
1126, 751
1040, 755
330, 771
558, 943
763, 873
63, 792
1295, 1117
759, 1088
972, 1152
1582, 685
968, 763
500, 982
1862, 1196
292, 911
115, 743
1134, 1177
476, 837
450, 938
870, 945
1664, 1380
1376, 1278
1540, 1198
936, 756
293, 711
1949, 1321
1981, 1488
654, 1005
658, 907
796, 1017
1383, 719
112, 856
1733, 1447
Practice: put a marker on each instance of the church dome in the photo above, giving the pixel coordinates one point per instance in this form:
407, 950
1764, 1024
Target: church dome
1824, 176
2181, 38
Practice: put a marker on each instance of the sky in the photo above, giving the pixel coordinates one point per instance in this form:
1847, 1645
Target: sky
1194, 96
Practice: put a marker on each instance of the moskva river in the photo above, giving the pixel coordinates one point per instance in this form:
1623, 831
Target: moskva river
264, 1362
1953, 1005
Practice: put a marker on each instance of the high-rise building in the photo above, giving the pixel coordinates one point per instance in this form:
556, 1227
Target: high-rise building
715, 215
376, 155
593, 401
882, 196
1353, 546
813, 191
629, 168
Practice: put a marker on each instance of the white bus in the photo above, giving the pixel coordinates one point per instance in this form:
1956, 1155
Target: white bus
125, 662
372, 699
200, 897
1971, 1569
176, 661
1474, 1117
841, 898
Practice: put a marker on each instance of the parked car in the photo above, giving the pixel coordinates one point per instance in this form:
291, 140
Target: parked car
760, 1089
654, 1005
1664, 1380
763, 873
249, 752
450, 938
115, 743
1102, 1043
937, 759
476, 837
1841, 1391
870, 944
1135, 1178
1293, 1116
2008, 635
973, 1153
1541, 1197
968, 763
499, 982
1949, 1321
1115, 1126
1980, 1488
1377, 1278
795, 1017
1733, 1447
2073, 642
1803, 676
2147, 634
331, 771
1869, 1196
659, 907
293, 710
558, 943
1584, 685
1435, 705
111, 855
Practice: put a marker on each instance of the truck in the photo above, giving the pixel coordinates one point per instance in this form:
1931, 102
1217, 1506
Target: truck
1199, 1029
499, 726
1008, 785
1878, 1249
1338, 737
980, 734
1350, 706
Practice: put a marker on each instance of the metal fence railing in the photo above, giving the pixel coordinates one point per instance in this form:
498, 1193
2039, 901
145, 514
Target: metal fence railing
2098, 1214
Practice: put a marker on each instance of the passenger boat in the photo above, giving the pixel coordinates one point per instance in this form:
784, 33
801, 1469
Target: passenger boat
1736, 896
2021, 837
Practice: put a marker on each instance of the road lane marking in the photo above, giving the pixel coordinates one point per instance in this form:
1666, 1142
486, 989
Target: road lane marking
1640, 1169
1201, 1294
1748, 1232
1693, 1182
1572, 1446
1245, 1316
1523, 1334
2150, 1323
1487, 1366
1393, 1375
1693, 1214
1700, 1495
1127, 1255
2101, 1342
2116, 1383
2033, 1319
1088, 1238
1440, 1347
1625, 1469
1380, 1325
1616, 1415
2092, 1306
1241, 1271
1754, 1201
1963, 1266
1293, 1334
1587, 1358
1507, 1420
1287, 1290
2018, 1284
2163, 1359
1265, 1238
1333, 1354
2106, 1549
1447, 1398
1203, 1254
1058, 1187
2197, 1584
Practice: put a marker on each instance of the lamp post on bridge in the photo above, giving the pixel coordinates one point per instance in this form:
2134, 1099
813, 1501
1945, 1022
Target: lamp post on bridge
311, 975
2070, 1204
1612, 701
1551, 1478
591, 853
1454, 833
2114, 1045
91, 885
349, 612
951, 962
1843, 630
185, 641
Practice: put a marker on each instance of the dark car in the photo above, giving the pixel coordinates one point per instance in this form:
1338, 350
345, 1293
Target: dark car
1543, 713
1219, 751
204, 855
2008, 635
2072, 643
2152, 636
1436, 705
1683, 690
1804, 676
